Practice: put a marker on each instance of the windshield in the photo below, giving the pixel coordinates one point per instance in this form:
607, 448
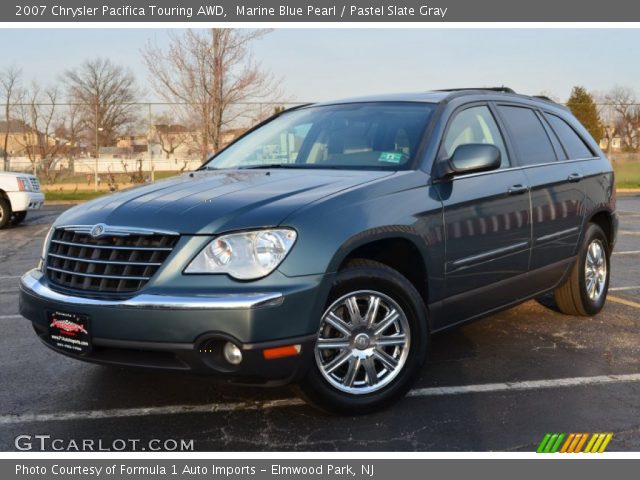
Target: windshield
351, 136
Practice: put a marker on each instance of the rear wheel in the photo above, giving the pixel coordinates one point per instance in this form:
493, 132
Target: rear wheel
18, 217
371, 342
585, 291
5, 212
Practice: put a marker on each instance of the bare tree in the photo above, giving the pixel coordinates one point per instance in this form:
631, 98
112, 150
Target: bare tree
624, 103
211, 74
10, 84
104, 93
169, 136
69, 129
39, 115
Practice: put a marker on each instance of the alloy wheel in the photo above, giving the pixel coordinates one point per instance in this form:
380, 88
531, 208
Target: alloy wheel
595, 270
363, 342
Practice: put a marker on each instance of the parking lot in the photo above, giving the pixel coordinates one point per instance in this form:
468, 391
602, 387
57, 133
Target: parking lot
497, 384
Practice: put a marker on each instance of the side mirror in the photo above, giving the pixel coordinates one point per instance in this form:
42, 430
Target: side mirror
471, 158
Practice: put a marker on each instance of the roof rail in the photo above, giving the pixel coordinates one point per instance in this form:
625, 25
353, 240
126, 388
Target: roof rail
544, 97
491, 89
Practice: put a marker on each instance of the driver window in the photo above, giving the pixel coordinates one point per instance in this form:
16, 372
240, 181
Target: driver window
475, 125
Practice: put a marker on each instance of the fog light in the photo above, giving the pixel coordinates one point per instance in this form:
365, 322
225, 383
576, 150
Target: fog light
232, 354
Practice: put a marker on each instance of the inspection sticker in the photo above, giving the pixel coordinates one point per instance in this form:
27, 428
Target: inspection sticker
391, 157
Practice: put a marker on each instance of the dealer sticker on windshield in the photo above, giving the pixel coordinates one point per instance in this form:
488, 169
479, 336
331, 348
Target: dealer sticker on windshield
69, 332
391, 157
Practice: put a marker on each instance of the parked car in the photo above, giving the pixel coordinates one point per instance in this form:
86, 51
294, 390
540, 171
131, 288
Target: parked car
327, 245
19, 193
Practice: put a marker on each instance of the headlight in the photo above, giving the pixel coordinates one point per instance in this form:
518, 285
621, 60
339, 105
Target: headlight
24, 185
245, 255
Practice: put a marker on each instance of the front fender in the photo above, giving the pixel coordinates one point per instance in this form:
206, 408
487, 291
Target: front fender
403, 206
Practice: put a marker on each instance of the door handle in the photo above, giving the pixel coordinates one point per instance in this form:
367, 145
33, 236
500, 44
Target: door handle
518, 189
574, 177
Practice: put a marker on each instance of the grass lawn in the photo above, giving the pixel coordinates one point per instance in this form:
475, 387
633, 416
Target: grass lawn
80, 195
627, 174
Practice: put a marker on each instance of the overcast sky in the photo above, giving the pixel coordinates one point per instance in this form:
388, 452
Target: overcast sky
320, 64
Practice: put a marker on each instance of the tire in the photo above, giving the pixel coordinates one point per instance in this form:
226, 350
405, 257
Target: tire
5, 212
577, 296
18, 217
358, 342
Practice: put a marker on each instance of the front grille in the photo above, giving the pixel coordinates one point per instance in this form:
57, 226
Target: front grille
121, 263
35, 184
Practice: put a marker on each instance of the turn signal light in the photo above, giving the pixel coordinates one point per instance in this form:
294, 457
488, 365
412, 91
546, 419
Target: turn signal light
280, 352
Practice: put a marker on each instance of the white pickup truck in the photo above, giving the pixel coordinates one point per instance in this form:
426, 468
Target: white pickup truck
19, 193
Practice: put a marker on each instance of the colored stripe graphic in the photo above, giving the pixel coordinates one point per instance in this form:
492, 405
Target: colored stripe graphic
574, 442
556, 445
590, 444
543, 443
599, 442
581, 443
607, 439
567, 443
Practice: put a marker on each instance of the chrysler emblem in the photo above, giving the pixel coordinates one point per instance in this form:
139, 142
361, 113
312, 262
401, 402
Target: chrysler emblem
98, 230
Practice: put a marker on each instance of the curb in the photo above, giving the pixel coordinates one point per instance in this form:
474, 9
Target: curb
63, 202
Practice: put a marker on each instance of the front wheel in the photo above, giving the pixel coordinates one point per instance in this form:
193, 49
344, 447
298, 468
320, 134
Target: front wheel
5, 212
585, 291
371, 342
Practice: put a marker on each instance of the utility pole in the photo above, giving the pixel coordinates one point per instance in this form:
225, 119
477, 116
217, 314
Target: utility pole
95, 177
149, 153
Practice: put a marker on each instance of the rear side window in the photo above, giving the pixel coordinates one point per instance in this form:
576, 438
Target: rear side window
573, 144
528, 135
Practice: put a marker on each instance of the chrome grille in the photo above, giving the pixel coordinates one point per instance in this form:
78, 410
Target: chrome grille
117, 261
35, 184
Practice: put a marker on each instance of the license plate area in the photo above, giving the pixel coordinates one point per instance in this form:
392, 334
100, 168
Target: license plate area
69, 332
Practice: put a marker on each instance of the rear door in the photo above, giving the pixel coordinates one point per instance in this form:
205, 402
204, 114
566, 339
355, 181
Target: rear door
487, 222
557, 192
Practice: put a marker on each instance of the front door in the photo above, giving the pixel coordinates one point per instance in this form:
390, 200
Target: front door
487, 222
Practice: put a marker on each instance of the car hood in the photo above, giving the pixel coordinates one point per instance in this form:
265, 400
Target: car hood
208, 202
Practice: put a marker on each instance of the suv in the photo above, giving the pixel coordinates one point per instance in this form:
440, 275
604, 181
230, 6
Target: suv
19, 192
326, 245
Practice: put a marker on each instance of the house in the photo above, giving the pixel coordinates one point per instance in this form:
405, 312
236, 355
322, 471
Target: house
132, 141
616, 144
230, 135
22, 139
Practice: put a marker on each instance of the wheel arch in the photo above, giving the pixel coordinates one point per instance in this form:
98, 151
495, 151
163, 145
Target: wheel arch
395, 246
604, 218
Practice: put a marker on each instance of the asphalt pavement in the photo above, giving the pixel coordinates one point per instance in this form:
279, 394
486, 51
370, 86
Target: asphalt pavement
497, 384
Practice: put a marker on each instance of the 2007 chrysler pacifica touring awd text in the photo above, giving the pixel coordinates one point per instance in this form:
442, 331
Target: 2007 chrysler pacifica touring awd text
325, 246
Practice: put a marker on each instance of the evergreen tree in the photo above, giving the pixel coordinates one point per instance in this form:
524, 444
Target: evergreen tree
582, 105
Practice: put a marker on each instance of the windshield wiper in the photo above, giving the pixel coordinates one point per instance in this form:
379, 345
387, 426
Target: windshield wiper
271, 165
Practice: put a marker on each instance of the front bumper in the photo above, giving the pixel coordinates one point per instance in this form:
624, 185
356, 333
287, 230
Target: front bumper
188, 332
24, 201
